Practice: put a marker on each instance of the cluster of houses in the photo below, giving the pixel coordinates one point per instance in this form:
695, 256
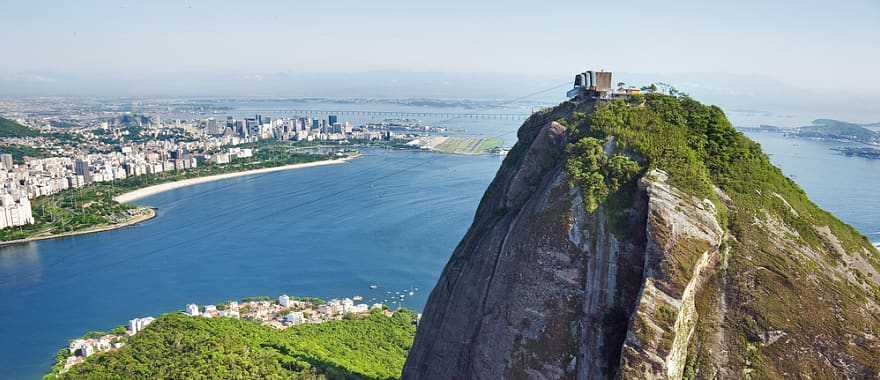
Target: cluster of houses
80, 349
37, 177
286, 311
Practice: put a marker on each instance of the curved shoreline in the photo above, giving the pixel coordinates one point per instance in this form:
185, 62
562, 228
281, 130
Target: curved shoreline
162, 187
150, 213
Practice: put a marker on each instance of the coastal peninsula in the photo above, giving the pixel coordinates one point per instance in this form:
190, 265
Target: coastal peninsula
283, 337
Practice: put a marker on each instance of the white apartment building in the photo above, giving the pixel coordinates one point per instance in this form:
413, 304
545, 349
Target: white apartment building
15, 213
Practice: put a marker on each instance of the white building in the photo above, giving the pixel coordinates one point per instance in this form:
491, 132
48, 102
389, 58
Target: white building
138, 324
360, 308
192, 309
347, 305
76, 344
284, 300
15, 213
294, 318
220, 158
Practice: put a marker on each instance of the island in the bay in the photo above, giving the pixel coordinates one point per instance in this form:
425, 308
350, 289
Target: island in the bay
62, 176
863, 139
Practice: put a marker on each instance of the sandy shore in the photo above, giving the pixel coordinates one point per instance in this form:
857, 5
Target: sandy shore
155, 189
148, 214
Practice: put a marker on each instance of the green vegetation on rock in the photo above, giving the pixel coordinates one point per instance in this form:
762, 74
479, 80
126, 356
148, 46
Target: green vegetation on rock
595, 173
177, 346
699, 148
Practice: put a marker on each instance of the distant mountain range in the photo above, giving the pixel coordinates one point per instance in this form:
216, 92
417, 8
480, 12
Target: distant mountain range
730, 91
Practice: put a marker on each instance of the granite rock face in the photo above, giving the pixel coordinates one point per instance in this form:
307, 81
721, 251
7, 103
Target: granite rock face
541, 289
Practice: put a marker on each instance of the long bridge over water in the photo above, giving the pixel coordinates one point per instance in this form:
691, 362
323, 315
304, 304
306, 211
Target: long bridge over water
396, 114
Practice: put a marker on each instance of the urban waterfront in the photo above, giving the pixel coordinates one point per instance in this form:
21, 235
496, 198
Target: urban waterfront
390, 218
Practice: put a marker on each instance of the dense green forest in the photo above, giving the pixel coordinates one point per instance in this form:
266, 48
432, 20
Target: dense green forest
9, 128
177, 346
18, 152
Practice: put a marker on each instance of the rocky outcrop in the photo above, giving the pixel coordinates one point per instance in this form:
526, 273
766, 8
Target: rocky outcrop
539, 288
684, 240
515, 277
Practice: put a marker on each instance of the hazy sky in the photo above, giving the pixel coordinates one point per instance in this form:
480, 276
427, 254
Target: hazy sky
827, 45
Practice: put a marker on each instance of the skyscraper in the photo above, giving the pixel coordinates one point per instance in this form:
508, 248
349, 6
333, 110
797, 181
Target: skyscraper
81, 167
6, 159
331, 119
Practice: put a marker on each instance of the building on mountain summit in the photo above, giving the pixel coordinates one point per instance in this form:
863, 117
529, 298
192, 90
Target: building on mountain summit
592, 83
598, 84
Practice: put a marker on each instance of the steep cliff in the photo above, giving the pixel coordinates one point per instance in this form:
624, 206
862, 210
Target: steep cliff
648, 239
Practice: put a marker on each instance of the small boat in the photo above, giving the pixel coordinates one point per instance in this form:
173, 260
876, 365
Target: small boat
374, 286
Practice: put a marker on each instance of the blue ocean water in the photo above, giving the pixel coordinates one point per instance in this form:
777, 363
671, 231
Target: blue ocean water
390, 218
849, 187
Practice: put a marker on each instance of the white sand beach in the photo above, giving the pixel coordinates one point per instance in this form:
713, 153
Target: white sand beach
155, 189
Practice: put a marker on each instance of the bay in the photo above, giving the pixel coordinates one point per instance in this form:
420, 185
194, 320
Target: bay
390, 218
